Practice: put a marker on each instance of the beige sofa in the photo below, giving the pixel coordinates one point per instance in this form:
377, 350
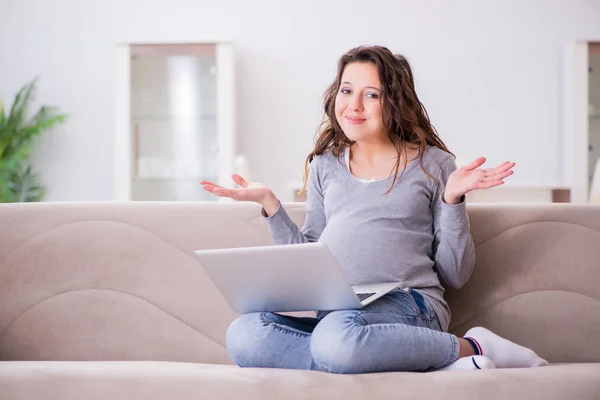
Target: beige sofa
105, 301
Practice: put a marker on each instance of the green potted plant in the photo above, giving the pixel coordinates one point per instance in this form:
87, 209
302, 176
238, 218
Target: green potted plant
18, 128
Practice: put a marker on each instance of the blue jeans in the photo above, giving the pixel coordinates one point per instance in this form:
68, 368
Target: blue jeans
398, 332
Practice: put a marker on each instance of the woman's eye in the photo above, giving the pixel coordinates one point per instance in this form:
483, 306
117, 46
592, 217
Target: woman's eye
345, 91
372, 95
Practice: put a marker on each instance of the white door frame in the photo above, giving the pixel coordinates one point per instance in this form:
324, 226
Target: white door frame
226, 122
575, 120
122, 130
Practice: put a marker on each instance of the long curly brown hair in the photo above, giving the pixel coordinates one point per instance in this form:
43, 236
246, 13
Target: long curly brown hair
404, 116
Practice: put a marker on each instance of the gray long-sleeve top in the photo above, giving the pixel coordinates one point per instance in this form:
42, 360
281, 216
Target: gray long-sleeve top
409, 235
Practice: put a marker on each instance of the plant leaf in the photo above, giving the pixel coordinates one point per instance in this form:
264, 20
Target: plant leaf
44, 119
2, 115
18, 111
24, 185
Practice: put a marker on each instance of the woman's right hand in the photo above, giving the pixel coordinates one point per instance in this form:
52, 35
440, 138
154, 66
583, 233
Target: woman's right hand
254, 192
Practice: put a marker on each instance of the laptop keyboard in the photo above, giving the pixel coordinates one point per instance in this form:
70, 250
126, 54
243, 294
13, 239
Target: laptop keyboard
363, 296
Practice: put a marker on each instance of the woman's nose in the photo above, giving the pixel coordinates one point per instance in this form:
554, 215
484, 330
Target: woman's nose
355, 104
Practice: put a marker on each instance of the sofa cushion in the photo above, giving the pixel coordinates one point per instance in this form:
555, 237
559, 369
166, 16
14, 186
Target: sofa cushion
164, 380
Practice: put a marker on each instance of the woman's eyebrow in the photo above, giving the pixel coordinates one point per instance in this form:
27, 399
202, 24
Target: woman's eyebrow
370, 87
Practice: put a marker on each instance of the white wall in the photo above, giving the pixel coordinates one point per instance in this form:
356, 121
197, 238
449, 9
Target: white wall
489, 73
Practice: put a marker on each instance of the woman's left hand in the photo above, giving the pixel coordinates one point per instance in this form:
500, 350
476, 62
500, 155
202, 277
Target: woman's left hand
469, 177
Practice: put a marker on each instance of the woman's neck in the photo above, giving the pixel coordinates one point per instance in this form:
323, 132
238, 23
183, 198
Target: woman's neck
374, 151
375, 155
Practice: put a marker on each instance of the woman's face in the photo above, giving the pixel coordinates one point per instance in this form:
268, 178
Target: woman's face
358, 103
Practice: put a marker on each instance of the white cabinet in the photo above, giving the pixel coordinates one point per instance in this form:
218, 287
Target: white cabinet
180, 121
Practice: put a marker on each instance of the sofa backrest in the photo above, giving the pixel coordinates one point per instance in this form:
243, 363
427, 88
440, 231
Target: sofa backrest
118, 281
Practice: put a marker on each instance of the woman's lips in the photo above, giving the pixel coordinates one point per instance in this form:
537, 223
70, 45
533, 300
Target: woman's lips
355, 120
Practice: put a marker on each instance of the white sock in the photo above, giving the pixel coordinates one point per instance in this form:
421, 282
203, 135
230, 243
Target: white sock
469, 363
504, 353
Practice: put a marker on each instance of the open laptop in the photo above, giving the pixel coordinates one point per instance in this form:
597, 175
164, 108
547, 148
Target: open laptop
281, 278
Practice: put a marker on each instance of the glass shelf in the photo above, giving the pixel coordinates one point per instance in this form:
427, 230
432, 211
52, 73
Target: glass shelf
168, 189
172, 178
198, 117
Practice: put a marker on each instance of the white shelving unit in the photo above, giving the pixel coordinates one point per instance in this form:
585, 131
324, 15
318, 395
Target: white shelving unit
175, 120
